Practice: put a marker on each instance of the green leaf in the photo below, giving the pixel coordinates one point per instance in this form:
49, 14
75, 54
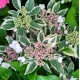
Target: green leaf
75, 4
47, 68
53, 77
50, 4
17, 4
29, 5
63, 12
62, 45
76, 73
70, 69
42, 78
31, 67
56, 7
3, 41
35, 11
70, 51
2, 48
50, 77
45, 30
9, 39
4, 11
40, 37
53, 40
32, 76
71, 18
8, 18
24, 41
56, 65
22, 31
52, 28
14, 77
22, 76
5, 73
9, 25
3, 33
13, 13
17, 67
36, 26
40, 22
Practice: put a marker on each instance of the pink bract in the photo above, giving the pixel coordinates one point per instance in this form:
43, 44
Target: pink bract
3, 3
40, 52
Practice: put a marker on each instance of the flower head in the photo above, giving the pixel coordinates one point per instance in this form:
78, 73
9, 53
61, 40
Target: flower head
60, 59
60, 19
23, 19
23, 11
42, 6
21, 59
16, 46
51, 18
39, 52
73, 38
3, 3
10, 56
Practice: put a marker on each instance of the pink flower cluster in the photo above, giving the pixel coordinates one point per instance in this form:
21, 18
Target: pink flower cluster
40, 52
3, 3
50, 18
11, 55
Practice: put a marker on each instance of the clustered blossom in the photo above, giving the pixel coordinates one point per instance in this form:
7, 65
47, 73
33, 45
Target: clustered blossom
23, 19
73, 38
16, 46
42, 6
60, 59
22, 59
49, 16
3, 3
10, 56
60, 19
52, 18
39, 52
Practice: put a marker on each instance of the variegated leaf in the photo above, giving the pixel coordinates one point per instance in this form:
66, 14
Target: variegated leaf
16, 4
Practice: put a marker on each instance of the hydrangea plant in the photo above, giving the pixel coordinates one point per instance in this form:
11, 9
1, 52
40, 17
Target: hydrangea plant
40, 39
